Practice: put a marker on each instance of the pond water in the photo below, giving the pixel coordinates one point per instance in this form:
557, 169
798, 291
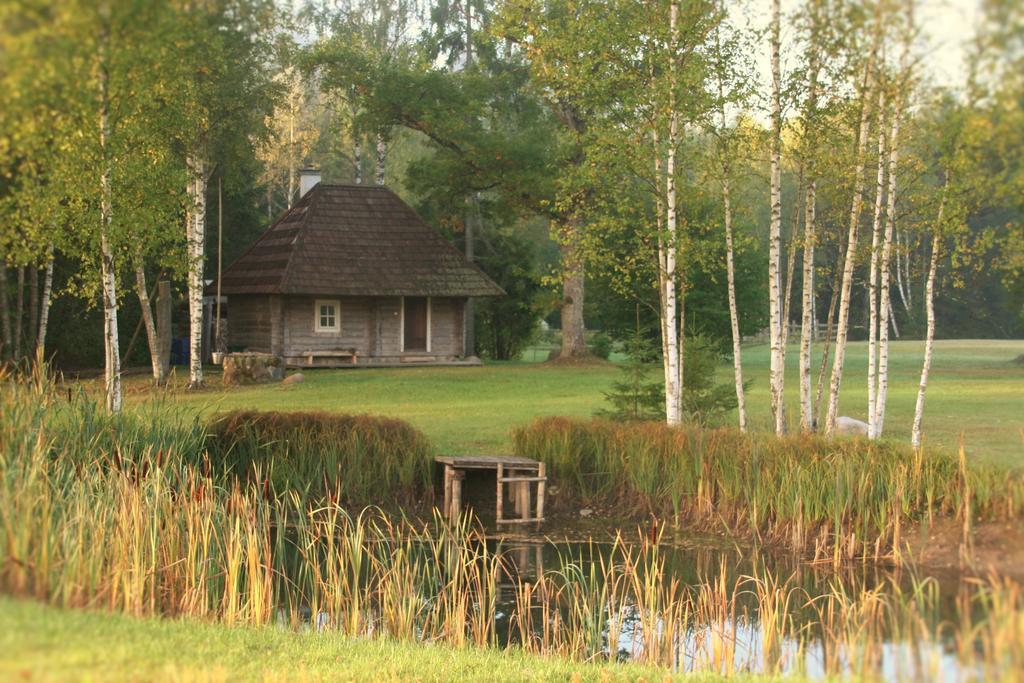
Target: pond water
888, 649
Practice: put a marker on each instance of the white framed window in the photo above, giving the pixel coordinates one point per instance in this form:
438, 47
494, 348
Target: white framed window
326, 315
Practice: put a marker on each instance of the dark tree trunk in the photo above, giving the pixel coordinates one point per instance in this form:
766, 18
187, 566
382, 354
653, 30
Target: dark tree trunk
5, 315
19, 312
574, 343
33, 310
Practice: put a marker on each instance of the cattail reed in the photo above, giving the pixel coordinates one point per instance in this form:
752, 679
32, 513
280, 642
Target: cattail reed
835, 499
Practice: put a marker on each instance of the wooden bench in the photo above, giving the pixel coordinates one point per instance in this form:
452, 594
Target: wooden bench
350, 354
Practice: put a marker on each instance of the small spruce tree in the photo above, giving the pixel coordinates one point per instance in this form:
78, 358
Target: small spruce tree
634, 397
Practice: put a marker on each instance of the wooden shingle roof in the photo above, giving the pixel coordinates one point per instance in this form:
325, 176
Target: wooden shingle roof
356, 240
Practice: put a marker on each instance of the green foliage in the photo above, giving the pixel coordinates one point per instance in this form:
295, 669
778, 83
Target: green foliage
600, 345
506, 325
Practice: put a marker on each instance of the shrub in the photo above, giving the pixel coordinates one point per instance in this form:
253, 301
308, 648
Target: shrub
361, 458
601, 345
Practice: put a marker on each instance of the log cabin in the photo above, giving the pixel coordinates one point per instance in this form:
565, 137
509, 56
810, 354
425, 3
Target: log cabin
352, 276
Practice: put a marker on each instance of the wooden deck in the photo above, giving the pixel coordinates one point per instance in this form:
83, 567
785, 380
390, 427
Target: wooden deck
516, 479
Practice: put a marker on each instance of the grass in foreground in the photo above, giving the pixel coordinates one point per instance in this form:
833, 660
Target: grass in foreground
975, 389
42, 643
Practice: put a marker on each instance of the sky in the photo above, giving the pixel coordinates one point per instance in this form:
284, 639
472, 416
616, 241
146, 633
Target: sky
946, 26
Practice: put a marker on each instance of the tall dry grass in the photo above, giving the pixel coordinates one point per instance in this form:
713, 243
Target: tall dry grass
836, 499
368, 459
164, 536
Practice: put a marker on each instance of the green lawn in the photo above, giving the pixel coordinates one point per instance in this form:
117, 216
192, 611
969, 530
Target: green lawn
975, 389
41, 643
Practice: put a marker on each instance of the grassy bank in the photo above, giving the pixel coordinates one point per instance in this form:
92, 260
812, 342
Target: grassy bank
42, 643
974, 390
841, 498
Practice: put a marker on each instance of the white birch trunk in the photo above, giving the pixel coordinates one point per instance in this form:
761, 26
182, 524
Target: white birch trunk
892, 320
899, 273
44, 305
777, 376
876, 239
807, 421
382, 157
830, 318
929, 343
196, 239
734, 319
148, 323
787, 290
673, 370
659, 224
851, 253
730, 269
111, 347
808, 321
885, 303
659, 206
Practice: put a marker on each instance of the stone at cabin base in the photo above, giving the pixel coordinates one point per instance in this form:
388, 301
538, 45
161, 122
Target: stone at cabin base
251, 368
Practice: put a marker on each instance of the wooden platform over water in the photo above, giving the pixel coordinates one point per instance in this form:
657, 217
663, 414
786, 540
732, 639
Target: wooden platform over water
516, 478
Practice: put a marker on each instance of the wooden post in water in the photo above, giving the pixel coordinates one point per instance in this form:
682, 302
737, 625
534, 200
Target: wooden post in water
457, 477
447, 491
541, 486
523, 497
500, 495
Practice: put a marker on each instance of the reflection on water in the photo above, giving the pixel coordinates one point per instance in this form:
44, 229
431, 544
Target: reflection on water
741, 630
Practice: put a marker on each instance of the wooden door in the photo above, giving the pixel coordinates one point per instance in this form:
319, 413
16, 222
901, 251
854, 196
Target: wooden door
415, 323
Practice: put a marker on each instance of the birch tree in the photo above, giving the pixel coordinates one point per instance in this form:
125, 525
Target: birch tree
929, 303
112, 353
44, 305
876, 238
669, 245
229, 96
819, 47
726, 61
777, 377
881, 379
810, 122
867, 91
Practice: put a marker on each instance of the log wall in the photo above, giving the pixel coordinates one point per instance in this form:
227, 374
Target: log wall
284, 325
